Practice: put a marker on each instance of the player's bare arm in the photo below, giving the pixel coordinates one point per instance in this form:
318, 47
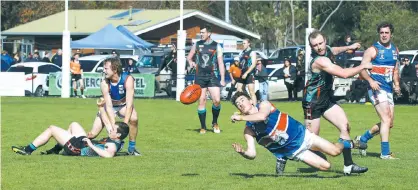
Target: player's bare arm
250, 153
325, 64
221, 64
108, 101
368, 56
253, 65
108, 152
190, 56
396, 78
129, 85
338, 50
261, 115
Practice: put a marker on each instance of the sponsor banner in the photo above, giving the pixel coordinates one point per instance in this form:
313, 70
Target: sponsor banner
16, 86
144, 84
229, 45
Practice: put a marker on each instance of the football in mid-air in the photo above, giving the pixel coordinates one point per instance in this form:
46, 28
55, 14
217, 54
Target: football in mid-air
190, 94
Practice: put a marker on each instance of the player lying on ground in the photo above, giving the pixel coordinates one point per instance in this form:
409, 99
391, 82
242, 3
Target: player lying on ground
282, 135
74, 141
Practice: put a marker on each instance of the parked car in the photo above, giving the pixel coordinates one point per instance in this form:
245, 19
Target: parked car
37, 76
261, 54
94, 63
412, 55
342, 85
153, 63
279, 55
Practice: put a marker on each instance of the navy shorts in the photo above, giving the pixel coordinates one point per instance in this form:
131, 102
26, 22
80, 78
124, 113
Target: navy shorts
207, 81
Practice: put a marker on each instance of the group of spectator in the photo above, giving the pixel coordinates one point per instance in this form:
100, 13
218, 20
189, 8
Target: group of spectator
7, 61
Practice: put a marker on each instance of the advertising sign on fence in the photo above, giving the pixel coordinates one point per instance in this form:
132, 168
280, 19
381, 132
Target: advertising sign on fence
144, 84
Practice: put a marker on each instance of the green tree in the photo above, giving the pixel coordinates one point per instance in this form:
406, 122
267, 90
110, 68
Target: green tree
404, 21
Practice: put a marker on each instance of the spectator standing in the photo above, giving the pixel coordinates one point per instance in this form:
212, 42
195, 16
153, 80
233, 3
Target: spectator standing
289, 73
261, 75
57, 59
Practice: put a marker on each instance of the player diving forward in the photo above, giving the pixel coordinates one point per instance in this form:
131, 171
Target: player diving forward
282, 135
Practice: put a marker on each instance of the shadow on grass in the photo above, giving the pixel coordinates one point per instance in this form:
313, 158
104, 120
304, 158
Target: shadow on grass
122, 154
373, 154
190, 175
198, 130
369, 154
296, 175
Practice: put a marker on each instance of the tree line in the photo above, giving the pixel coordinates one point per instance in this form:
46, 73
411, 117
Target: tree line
280, 23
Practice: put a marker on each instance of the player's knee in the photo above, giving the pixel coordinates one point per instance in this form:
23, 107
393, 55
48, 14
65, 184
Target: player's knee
133, 120
386, 119
74, 124
335, 151
216, 102
52, 127
325, 166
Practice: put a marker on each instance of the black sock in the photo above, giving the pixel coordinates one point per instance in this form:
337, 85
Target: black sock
82, 91
215, 112
348, 160
30, 148
202, 118
75, 92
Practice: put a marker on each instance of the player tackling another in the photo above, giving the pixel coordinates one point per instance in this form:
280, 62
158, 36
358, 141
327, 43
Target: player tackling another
209, 64
384, 57
118, 93
74, 141
282, 135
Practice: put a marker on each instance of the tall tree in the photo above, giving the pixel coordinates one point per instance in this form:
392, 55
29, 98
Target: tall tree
404, 20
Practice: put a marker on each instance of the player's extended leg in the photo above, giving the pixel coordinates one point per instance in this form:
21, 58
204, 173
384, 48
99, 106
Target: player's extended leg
59, 134
240, 87
97, 127
75, 87
81, 82
314, 160
337, 117
133, 131
313, 125
215, 93
201, 111
252, 93
385, 112
75, 129
322, 145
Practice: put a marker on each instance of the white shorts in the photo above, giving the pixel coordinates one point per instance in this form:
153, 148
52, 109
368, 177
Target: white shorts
377, 96
116, 110
298, 155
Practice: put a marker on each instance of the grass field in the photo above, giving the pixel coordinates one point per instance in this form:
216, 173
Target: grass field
176, 156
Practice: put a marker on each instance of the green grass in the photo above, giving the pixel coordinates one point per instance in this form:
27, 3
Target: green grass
175, 156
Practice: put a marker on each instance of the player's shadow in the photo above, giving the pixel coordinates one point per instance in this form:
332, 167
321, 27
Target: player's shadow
308, 170
190, 175
198, 130
369, 154
244, 175
294, 175
373, 154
